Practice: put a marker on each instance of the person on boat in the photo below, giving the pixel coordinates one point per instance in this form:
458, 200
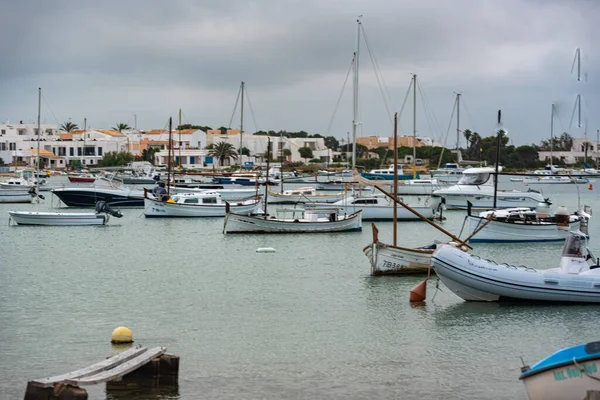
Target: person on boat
160, 192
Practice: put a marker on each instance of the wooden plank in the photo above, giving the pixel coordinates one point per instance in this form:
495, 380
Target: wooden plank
103, 365
119, 371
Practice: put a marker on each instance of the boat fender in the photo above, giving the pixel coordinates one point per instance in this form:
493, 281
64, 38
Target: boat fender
265, 250
171, 201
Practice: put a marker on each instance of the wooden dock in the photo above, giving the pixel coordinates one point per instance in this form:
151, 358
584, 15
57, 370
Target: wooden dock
115, 368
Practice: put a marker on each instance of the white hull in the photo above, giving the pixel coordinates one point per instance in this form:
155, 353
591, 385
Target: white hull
418, 189
390, 260
384, 210
226, 194
564, 382
15, 196
474, 279
279, 198
457, 200
235, 223
499, 231
57, 218
154, 208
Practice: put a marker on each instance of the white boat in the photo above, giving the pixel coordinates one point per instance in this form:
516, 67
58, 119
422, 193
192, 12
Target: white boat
419, 186
226, 194
386, 259
303, 195
100, 217
388, 174
451, 173
567, 374
16, 195
208, 203
311, 221
550, 180
378, 207
476, 187
524, 224
475, 279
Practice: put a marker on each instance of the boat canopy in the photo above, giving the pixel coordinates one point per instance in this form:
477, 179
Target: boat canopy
474, 178
574, 246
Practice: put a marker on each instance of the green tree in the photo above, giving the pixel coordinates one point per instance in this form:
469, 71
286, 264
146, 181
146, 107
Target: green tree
287, 153
223, 151
331, 142
115, 159
68, 126
1, 161
305, 152
190, 126
245, 151
148, 154
121, 127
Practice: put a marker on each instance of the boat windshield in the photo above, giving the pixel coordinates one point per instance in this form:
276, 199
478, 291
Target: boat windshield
474, 179
573, 246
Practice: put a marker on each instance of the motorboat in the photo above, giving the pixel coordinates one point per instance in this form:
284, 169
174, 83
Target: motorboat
227, 193
567, 374
550, 180
451, 173
475, 279
114, 196
477, 188
100, 217
309, 221
16, 195
378, 207
387, 259
419, 186
303, 195
388, 174
236, 180
81, 178
524, 224
208, 203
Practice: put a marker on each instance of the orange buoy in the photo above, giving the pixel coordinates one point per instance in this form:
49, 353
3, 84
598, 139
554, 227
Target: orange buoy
591, 187
419, 292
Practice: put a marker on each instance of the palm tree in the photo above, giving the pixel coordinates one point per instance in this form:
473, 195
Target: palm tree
121, 127
148, 154
223, 151
68, 126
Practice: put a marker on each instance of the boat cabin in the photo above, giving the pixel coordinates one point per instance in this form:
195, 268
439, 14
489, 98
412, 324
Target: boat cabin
207, 197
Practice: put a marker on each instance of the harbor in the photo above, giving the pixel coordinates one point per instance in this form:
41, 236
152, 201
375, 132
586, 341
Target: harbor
307, 320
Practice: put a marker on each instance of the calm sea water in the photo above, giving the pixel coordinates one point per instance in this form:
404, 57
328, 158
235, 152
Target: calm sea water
305, 322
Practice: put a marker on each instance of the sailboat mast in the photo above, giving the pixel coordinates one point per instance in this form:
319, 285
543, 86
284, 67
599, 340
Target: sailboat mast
241, 121
497, 157
179, 129
458, 124
267, 178
355, 92
597, 143
169, 163
83, 150
551, 137
395, 177
39, 132
414, 127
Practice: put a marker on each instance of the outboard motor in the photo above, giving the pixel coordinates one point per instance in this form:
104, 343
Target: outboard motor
160, 192
33, 192
102, 207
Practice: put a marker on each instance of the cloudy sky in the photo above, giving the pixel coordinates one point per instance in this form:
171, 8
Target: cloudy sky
110, 60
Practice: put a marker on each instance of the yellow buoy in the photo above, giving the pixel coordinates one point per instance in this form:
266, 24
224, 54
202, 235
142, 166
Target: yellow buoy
122, 334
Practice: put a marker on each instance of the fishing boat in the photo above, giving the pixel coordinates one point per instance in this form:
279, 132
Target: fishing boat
524, 224
450, 172
475, 279
226, 193
236, 180
303, 195
387, 259
378, 207
100, 217
310, 221
567, 374
477, 188
16, 195
208, 203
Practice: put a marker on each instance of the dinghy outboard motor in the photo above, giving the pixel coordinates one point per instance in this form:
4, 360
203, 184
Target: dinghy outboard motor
160, 192
102, 207
34, 193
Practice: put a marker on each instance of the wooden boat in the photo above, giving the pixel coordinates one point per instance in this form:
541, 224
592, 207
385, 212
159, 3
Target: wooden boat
311, 221
208, 203
475, 279
567, 374
100, 217
227, 194
387, 259
303, 195
523, 224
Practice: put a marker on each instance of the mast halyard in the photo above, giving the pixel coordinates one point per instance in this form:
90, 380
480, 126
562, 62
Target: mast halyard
552, 138
414, 127
355, 92
180, 142
241, 122
39, 134
458, 125
395, 177
169, 160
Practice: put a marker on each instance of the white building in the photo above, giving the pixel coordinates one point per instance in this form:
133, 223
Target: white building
577, 152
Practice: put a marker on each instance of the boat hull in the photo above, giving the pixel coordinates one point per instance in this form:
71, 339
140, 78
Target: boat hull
563, 382
392, 260
485, 201
389, 177
235, 223
161, 209
475, 279
226, 194
15, 196
57, 218
499, 231
279, 198
80, 179
88, 197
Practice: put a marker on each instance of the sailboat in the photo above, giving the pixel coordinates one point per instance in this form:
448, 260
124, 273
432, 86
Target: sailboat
451, 172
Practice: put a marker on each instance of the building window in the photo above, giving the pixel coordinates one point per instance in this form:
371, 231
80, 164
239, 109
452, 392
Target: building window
99, 151
2, 146
71, 152
79, 151
12, 146
22, 131
3, 131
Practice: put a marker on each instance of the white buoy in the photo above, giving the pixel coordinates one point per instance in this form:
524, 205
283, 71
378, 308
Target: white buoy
265, 250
